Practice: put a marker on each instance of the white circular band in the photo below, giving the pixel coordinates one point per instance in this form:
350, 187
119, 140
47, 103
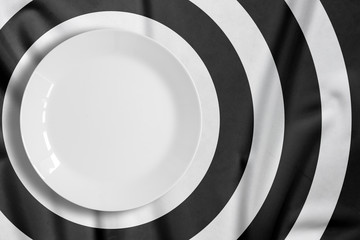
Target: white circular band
269, 119
336, 120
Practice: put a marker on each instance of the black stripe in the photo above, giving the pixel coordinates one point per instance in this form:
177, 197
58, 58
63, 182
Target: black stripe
345, 222
302, 119
236, 118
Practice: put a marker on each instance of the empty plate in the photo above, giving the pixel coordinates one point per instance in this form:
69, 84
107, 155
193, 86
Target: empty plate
110, 120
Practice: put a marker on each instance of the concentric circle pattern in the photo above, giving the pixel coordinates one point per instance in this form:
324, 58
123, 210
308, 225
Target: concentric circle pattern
278, 120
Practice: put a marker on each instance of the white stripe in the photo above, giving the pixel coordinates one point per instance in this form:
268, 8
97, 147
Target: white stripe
8, 231
268, 119
8, 8
336, 120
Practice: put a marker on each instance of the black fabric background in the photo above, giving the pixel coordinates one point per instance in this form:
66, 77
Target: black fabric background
345, 17
298, 80
236, 119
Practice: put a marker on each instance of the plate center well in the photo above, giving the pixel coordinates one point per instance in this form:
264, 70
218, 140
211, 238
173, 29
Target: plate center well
110, 120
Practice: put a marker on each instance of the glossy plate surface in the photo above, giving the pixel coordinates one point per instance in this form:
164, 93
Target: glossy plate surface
110, 120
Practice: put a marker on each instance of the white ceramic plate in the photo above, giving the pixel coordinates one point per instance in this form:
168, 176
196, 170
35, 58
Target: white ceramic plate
110, 120
210, 120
